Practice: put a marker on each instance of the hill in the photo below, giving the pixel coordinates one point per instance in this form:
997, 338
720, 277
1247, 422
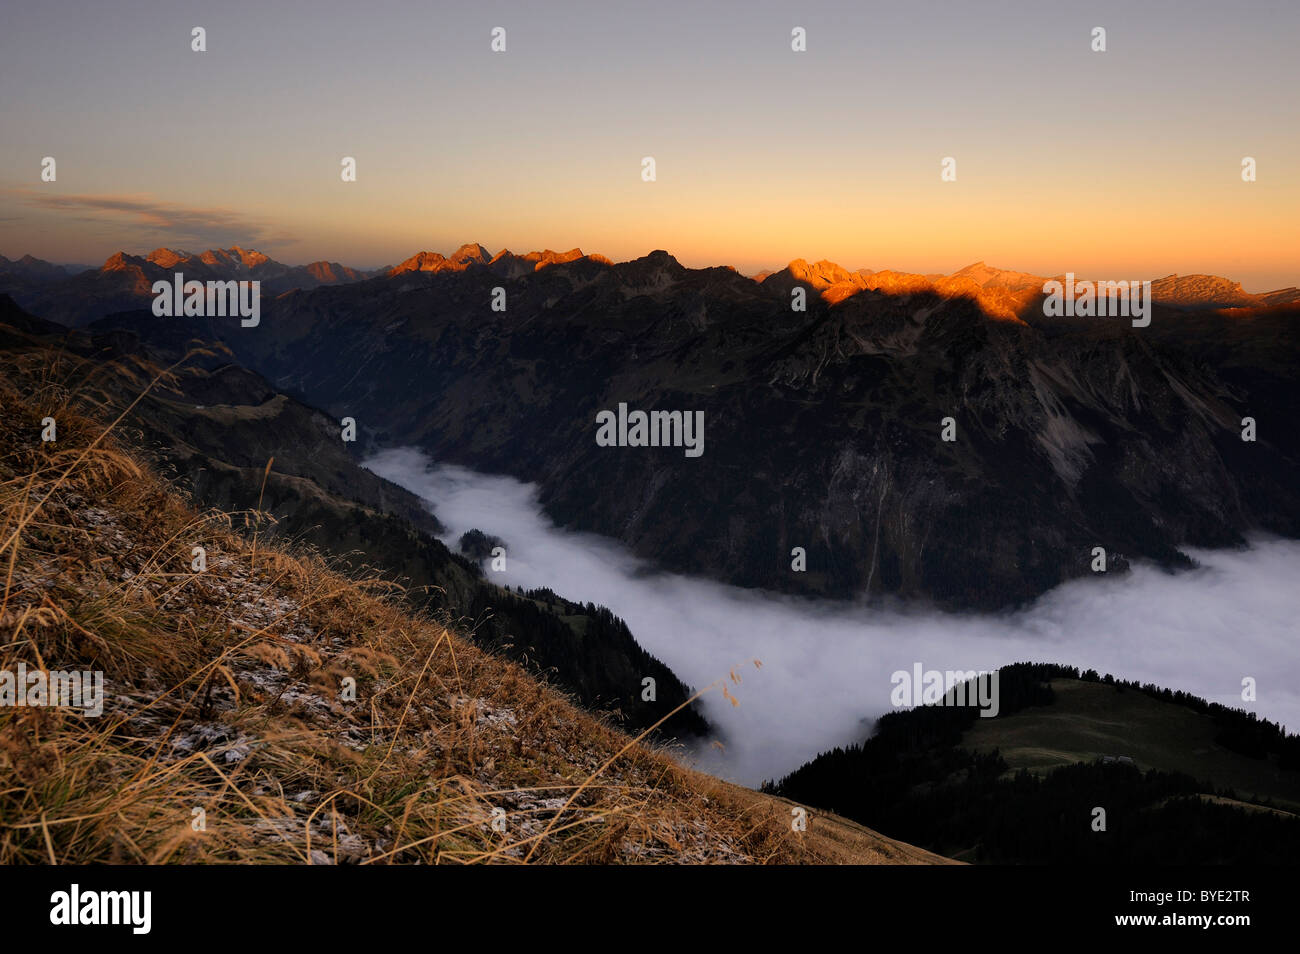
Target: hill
1088, 721
1177, 780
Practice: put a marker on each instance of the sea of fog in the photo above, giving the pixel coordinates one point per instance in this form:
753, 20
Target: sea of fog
826, 665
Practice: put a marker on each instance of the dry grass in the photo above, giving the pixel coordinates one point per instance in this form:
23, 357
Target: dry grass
223, 700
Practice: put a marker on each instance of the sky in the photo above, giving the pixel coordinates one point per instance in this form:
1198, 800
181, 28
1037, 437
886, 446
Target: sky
827, 666
1120, 164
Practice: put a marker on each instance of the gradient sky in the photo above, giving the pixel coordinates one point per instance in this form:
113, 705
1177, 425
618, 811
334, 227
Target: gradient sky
1117, 165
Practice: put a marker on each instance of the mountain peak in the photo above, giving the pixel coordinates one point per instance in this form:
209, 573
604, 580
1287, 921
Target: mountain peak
1201, 290
820, 274
549, 257
419, 262
990, 276
120, 260
470, 252
166, 257
662, 259
249, 258
332, 273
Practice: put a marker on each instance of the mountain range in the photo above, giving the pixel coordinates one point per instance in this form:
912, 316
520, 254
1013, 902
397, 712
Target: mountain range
75, 294
824, 428
125, 280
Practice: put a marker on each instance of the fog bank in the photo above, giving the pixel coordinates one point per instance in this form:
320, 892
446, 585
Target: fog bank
826, 665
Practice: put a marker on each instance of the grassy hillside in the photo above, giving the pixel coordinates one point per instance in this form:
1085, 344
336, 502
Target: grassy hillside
213, 430
1180, 780
1092, 720
228, 733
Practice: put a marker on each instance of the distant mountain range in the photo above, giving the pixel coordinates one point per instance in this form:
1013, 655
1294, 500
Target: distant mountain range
822, 428
1006, 294
79, 294
32, 269
125, 281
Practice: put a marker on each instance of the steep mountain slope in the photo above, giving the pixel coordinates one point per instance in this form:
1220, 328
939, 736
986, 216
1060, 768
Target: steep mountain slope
263, 708
215, 428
